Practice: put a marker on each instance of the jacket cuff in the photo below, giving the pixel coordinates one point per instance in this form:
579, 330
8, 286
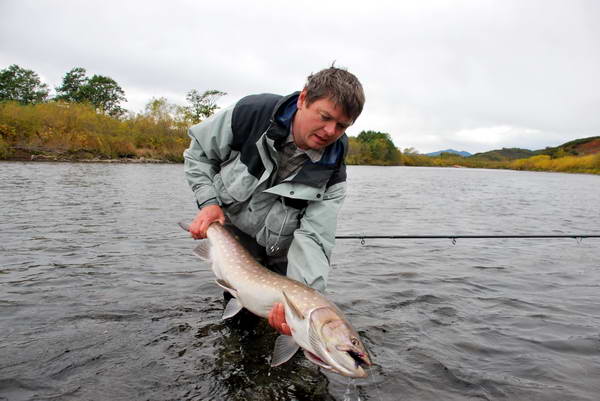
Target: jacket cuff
206, 195
212, 201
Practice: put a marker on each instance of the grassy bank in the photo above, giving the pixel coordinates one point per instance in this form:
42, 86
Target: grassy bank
72, 131
77, 132
588, 164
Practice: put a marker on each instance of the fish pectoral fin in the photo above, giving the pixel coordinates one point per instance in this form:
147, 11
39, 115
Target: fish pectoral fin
292, 307
227, 287
202, 250
285, 348
232, 308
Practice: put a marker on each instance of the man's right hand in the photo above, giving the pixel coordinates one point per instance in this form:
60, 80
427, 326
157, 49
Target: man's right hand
207, 215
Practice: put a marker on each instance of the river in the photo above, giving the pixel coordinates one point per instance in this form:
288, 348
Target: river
101, 297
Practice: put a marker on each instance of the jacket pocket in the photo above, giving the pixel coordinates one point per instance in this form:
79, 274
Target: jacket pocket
229, 204
280, 224
237, 180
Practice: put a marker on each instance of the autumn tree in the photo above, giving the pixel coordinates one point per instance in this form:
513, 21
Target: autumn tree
159, 109
203, 105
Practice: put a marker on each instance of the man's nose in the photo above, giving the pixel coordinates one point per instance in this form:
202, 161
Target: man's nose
330, 127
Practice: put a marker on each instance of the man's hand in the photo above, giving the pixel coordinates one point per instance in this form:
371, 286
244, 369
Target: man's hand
277, 319
207, 215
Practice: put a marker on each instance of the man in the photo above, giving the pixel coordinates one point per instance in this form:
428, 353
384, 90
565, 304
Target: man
272, 169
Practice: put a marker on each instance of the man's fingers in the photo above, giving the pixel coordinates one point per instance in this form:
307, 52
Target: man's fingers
204, 218
197, 233
203, 228
278, 315
271, 318
285, 329
277, 319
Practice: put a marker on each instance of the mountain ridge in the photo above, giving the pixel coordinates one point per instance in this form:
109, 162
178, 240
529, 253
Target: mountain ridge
456, 152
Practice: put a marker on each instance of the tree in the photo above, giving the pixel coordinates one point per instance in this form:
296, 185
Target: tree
202, 105
102, 92
170, 115
160, 109
380, 148
70, 90
22, 85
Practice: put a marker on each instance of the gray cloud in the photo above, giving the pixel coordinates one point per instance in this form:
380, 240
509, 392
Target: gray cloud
473, 75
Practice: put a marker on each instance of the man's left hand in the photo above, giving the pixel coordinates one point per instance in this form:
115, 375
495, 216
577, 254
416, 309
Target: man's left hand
277, 319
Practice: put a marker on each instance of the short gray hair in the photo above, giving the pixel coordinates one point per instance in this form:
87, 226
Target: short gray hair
342, 87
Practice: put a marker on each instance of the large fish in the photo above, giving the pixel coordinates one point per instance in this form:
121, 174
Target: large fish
317, 325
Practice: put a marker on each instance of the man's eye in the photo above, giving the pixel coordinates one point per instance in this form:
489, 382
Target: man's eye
325, 118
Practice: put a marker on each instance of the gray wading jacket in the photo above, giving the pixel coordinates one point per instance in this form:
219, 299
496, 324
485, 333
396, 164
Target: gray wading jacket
232, 162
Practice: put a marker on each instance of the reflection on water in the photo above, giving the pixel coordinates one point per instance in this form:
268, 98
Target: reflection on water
102, 298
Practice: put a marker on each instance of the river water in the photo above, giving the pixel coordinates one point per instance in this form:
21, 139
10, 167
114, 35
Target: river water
101, 297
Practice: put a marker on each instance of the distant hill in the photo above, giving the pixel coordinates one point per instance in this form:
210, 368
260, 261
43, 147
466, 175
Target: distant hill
505, 154
456, 152
578, 147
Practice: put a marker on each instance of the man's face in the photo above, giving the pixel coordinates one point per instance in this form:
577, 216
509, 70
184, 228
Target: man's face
319, 124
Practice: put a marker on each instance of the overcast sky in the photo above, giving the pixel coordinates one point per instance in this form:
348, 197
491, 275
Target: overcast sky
469, 75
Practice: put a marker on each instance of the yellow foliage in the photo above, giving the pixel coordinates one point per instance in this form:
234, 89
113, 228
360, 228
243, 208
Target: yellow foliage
574, 164
4, 149
72, 128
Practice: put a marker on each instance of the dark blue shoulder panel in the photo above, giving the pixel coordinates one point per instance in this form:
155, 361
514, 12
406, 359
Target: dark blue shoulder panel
251, 118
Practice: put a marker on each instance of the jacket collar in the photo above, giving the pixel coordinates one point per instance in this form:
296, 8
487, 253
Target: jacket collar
281, 119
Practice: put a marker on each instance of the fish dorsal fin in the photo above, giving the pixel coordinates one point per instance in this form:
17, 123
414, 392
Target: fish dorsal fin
292, 307
227, 287
285, 348
202, 250
232, 308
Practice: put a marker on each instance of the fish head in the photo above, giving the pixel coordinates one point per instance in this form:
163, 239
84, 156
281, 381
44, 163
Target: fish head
336, 344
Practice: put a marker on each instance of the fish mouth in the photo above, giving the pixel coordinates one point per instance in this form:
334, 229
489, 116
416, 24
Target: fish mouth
360, 359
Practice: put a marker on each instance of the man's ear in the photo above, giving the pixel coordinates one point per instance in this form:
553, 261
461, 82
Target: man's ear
301, 99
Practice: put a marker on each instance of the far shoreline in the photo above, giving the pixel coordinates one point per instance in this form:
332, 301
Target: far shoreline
51, 159
143, 160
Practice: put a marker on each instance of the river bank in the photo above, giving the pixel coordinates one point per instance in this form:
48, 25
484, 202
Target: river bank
85, 157
588, 164
78, 133
22, 154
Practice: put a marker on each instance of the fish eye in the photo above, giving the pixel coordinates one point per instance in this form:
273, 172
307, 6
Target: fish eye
354, 341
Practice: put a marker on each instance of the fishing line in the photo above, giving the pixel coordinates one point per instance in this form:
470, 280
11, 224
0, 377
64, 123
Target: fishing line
578, 237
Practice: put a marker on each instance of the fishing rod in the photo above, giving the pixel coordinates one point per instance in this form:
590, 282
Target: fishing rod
362, 238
